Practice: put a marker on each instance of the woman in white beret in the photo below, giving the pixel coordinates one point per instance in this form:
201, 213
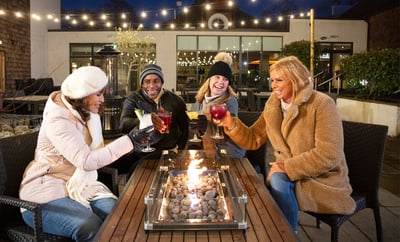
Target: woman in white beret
63, 175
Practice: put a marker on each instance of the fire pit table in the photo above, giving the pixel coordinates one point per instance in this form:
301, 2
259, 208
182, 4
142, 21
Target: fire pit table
193, 192
126, 222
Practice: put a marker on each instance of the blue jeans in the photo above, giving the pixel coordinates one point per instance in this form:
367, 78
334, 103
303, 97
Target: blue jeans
68, 218
282, 190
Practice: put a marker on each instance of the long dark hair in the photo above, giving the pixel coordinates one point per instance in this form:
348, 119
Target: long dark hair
80, 105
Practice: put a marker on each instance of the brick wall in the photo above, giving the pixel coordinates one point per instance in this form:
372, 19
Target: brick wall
15, 37
384, 30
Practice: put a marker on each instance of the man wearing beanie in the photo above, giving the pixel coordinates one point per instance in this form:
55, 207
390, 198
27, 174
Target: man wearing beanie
217, 89
62, 178
148, 99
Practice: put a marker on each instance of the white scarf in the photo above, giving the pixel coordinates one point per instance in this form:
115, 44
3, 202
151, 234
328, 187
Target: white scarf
83, 186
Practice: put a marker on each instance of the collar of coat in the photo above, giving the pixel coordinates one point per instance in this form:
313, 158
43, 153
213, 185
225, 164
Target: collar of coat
278, 126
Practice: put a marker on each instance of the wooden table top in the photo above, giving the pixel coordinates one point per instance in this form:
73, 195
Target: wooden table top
265, 221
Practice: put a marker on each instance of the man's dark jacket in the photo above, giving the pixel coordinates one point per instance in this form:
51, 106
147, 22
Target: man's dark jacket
178, 134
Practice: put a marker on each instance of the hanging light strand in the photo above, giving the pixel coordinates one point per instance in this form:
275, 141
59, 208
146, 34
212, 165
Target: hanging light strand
125, 19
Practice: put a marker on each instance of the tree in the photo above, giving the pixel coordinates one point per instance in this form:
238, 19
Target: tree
136, 51
301, 49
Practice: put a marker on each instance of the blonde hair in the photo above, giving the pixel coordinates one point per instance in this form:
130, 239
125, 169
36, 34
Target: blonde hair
205, 88
293, 69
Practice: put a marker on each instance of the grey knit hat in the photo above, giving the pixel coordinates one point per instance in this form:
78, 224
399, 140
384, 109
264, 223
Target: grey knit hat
151, 69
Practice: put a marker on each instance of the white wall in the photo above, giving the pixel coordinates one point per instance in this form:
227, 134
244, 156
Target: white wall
58, 43
371, 112
39, 34
355, 31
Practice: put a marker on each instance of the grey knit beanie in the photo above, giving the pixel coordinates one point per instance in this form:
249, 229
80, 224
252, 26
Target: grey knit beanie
151, 69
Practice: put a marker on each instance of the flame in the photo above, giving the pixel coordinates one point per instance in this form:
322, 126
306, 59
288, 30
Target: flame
194, 173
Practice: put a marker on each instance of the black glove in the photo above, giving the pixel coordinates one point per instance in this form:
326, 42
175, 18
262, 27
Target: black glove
141, 137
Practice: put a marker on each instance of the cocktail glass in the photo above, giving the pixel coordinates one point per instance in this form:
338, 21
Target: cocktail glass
165, 116
218, 111
144, 123
194, 118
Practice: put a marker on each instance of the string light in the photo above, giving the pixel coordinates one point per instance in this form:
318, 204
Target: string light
18, 14
85, 18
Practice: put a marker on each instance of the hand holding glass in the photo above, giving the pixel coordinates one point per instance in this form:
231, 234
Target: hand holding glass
166, 117
193, 116
146, 122
218, 111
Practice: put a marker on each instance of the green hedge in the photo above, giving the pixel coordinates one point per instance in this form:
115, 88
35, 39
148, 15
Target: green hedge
373, 74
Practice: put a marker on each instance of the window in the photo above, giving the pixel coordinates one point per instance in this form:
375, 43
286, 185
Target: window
251, 56
84, 55
129, 64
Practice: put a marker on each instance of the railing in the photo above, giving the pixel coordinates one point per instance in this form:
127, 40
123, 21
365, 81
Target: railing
329, 81
317, 77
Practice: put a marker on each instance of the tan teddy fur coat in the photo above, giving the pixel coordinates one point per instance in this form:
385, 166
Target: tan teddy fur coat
309, 140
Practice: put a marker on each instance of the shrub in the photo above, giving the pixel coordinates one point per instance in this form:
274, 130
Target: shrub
373, 74
301, 49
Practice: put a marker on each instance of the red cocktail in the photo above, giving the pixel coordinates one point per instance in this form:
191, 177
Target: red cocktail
218, 111
166, 116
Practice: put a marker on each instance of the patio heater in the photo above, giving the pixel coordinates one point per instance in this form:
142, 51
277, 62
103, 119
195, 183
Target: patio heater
112, 101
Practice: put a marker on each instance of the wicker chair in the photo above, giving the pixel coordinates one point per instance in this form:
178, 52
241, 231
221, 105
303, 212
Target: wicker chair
15, 154
364, 147
258, 158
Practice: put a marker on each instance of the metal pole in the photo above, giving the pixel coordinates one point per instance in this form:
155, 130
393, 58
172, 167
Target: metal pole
312, 45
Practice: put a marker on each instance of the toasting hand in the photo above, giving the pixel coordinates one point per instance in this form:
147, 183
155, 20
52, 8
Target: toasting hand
141, 137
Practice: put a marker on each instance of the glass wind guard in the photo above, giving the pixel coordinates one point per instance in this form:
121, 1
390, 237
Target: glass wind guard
192, 192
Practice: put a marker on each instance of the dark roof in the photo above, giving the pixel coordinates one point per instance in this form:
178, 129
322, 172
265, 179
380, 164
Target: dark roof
367, 8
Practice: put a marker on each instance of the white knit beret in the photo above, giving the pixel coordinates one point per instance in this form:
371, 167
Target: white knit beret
84, 81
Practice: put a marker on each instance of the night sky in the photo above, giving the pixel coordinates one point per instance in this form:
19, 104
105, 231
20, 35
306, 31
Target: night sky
322, 7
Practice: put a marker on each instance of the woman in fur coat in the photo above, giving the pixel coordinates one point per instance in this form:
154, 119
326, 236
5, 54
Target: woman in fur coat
304, 128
